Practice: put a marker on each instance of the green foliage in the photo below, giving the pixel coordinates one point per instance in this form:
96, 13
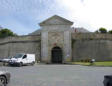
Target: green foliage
102, 30
6, 32
86, 60
110, 31
96, 31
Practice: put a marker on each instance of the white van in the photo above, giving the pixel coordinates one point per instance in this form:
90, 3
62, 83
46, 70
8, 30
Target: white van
22, 59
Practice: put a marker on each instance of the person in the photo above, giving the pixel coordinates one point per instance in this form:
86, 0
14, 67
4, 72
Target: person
92, 61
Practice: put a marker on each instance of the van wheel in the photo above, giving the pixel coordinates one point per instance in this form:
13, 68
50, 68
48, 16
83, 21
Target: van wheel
3, 81
20, 64
32, 63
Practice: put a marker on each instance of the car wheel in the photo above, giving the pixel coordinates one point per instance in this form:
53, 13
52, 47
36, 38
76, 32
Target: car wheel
2, 81
20, 64
32, 63
108, 84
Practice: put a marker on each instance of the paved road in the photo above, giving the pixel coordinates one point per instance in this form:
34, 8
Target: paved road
57, 75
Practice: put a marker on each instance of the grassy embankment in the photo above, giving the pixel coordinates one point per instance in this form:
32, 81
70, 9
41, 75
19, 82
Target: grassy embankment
106, 63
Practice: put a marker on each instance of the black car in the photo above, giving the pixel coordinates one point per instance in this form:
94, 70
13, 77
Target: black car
4, 78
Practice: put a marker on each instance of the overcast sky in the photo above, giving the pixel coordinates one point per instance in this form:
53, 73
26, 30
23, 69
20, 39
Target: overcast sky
23, 16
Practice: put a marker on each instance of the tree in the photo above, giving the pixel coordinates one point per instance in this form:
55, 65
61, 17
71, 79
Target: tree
102, 30
6, 32
96, 31
110, 31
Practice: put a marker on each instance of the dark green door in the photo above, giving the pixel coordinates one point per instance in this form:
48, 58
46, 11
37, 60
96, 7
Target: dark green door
56, 55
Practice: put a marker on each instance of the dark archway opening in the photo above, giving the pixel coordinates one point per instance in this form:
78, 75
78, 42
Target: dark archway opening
56, 55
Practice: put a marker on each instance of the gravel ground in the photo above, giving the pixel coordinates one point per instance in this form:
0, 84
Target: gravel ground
57, 75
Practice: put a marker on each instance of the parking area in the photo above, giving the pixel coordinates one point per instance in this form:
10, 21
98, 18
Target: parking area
57, 75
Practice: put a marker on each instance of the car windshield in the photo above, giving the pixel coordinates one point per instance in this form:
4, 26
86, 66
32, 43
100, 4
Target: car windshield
18, 56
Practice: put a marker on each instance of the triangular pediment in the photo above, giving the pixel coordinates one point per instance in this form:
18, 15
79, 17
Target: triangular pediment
56, 20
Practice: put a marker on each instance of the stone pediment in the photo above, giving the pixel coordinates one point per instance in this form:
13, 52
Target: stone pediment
56, 20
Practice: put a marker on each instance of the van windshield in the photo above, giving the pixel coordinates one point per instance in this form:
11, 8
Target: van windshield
18, 55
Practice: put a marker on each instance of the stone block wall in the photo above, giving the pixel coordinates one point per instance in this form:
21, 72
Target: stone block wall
84, 45
88, 46
23, 44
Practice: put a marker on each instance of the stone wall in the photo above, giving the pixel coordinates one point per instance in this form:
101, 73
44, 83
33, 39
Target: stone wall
22, 44
55, 39
55, 33
84, 45
98, 46
91, 36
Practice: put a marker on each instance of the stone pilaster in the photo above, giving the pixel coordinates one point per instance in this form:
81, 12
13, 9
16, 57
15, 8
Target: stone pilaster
44, 46
67, 46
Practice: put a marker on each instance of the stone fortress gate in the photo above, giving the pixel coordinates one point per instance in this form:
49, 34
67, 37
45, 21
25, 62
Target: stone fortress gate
56, 40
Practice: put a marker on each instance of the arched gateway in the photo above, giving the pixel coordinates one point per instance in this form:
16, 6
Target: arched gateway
56, 55
56, 31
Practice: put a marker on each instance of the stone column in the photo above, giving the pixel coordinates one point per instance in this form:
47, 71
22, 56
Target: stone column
67, 47
44, 47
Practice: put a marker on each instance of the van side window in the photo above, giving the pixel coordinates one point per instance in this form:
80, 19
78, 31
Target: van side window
24, 56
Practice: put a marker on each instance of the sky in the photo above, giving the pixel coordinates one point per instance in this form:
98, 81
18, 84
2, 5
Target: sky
23, 16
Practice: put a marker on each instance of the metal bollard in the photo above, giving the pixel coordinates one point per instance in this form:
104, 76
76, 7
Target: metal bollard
107, 80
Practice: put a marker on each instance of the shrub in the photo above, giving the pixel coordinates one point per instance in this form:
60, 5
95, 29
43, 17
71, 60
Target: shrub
102, 30
6, 32
110, 31
86, 60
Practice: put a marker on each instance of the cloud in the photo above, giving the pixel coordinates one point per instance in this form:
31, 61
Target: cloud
94, 13
26, 13
23, 16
